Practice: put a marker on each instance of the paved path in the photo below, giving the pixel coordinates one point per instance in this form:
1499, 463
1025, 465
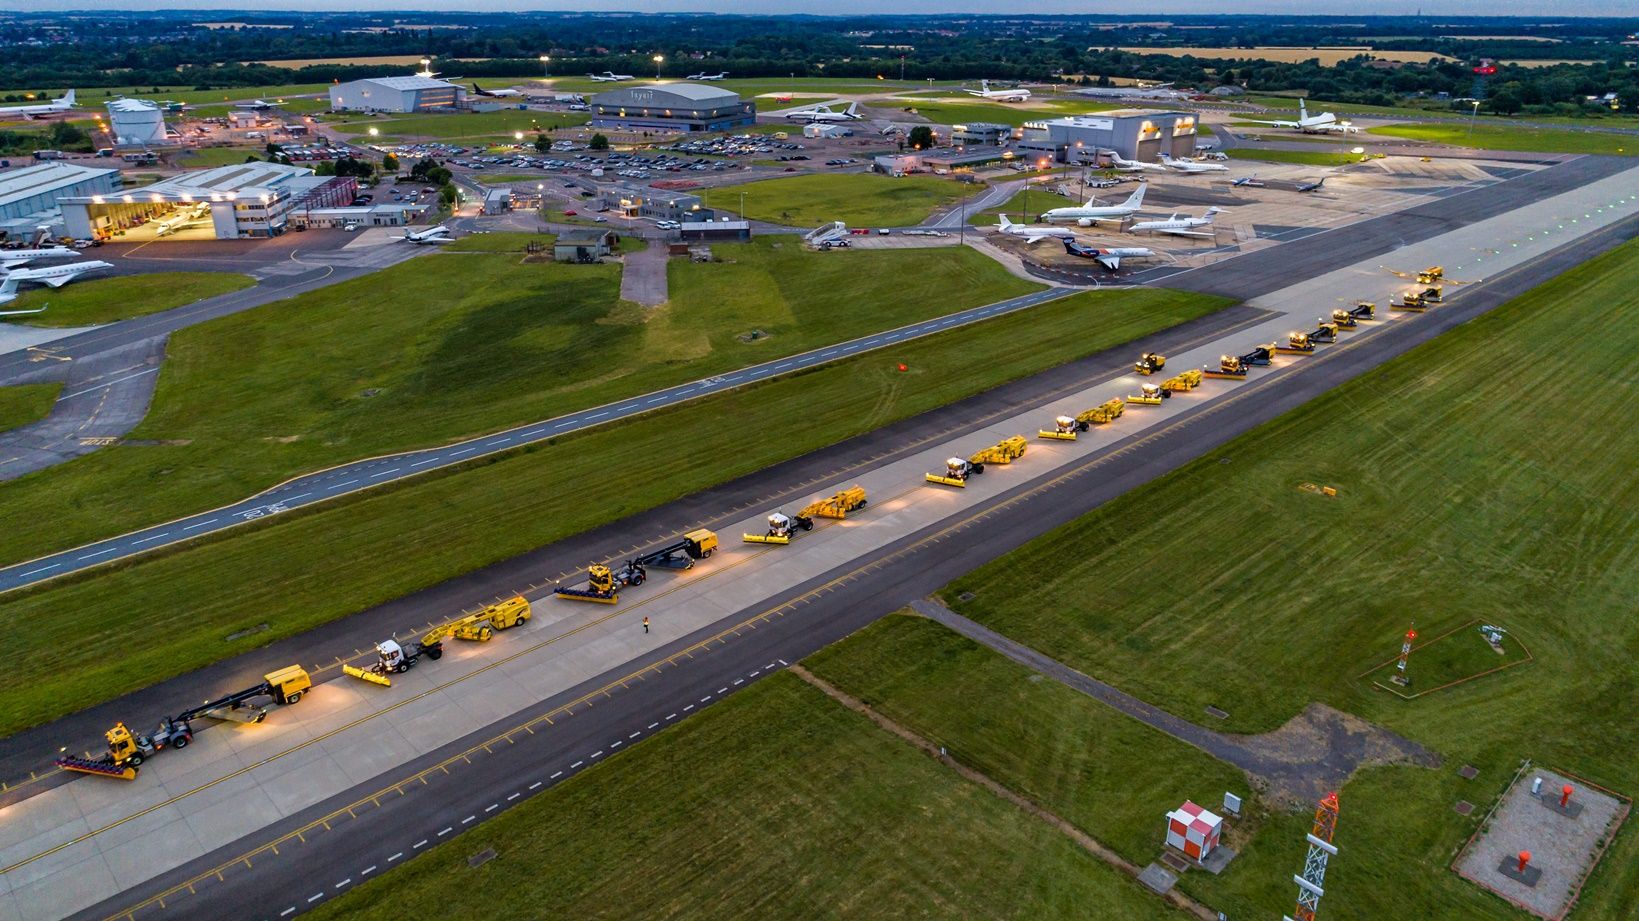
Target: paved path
643, 279
360, 475
103, 398
1310, 756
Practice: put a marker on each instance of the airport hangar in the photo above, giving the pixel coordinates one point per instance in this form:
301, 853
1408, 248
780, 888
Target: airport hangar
30, 197
672, 107
1135, 134
396, 94
242, 201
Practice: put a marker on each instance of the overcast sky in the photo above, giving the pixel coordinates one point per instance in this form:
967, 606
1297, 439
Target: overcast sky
1546, 8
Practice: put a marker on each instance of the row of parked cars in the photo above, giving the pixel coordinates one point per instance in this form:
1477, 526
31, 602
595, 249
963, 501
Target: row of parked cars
738, 145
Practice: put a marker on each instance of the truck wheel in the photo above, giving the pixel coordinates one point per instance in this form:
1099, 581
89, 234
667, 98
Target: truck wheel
435, 653
134, 760
637, 579
292, 698
402, 667
179, 742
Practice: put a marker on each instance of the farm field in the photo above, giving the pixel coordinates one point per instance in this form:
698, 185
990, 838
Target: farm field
809, 834
1456, 497
1493, 136
1328, 56
121, 297
297, 571
861, 200
21, 404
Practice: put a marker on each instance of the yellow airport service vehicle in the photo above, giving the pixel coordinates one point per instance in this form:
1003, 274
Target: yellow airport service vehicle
127, 750
1180, 383
957, 470
1348, 319
1150, 362
783, 527
1236, 366
478, 626
1107, 411
604, 583
1431, 275
1065, 429
1149, 395
1304, 343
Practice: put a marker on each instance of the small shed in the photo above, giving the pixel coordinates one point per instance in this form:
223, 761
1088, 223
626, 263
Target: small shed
1193, 830
583, 244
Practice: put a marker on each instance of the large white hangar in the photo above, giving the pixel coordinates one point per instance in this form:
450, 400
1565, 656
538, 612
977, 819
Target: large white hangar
396, 94
672, 107
136, 122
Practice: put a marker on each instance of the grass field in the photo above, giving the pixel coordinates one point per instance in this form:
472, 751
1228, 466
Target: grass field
221, 156
454, 344
1025, 206
1308, 157
21, 404
859, 199
790, 827
1492, 135
757, 86
496, 242
470, 127
121, 297
1462, 496
1328, 56
297, 571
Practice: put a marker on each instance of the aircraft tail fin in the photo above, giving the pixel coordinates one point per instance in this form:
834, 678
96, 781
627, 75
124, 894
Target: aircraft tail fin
852, 110
1136, 199
68, 98
8, 288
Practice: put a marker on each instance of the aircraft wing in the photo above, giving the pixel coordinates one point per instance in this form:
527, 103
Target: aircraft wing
1032, 239
1108, 261
1191, 233
1278, 124
57, 281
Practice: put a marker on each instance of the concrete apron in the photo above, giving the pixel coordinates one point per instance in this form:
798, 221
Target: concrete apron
235, 779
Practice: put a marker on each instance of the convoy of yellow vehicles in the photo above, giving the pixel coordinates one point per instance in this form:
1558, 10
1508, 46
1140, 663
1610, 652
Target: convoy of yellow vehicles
127, 750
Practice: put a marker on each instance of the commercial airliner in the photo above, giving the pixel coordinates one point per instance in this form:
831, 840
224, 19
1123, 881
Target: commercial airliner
495, 94
1016, 94
439, 234
54, 107
1088, 213
1314, 124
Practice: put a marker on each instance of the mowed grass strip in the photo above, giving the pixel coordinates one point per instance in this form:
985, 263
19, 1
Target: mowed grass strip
775, 803
1108, 774
1306, 157
205, 157
121, 297
1466, 491
1001, 113
163, 615
21, 404
1490, 135
857, 199
455, 344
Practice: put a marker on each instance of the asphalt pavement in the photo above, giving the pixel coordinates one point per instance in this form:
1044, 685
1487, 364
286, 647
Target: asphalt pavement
365, 474
308, 859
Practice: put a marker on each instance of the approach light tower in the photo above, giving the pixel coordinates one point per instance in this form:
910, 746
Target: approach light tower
1311, 884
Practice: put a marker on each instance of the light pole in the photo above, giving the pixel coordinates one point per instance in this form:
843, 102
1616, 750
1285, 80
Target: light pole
546, 65
1473, 115
659, 59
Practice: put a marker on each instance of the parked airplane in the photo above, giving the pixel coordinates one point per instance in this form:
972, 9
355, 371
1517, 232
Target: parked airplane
55, 106
1133, 166
1033, 232
1016, 94
439, 234
1251, 182
709, 77
610, 76
56, 276
496, 94
1086, 214
824, 114
1314, 124
1312, 186
1108, 258
13, 258
1193, 166
1180, 226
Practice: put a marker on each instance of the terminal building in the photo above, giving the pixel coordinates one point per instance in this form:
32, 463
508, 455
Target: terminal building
30, 198
980, 134
642, 201
1135, 134
672, 107
136, 123
242, 201
396, 94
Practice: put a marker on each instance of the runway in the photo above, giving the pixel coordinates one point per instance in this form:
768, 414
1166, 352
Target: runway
331, 846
